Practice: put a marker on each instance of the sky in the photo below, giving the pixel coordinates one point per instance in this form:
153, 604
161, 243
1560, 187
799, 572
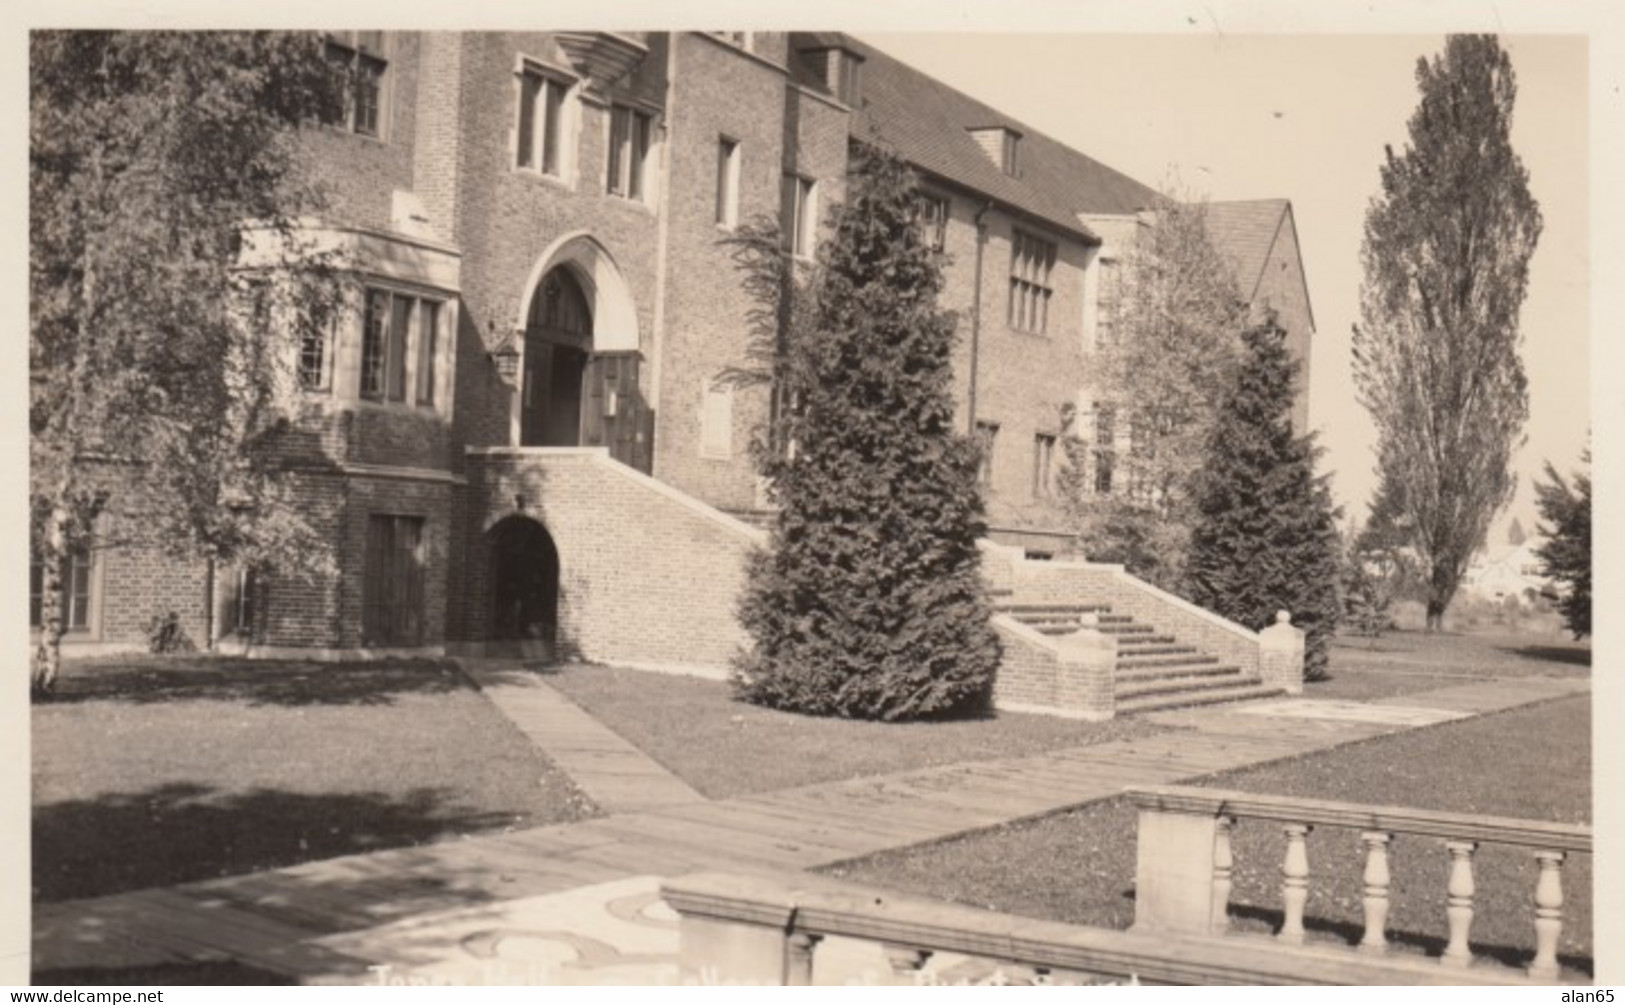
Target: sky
1239, 116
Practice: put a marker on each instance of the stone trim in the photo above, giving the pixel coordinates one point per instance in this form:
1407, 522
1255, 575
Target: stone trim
360, 470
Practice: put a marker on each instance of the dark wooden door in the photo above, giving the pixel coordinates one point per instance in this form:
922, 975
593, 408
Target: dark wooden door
614, 414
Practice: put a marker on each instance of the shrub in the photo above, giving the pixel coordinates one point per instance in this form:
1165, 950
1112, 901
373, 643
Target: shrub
869, 601
165, 635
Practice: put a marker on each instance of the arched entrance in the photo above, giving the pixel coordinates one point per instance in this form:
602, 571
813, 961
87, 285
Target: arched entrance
524, 566
581, 375
558, 344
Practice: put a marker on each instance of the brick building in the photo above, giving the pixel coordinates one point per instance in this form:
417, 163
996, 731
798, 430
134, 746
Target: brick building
521, 433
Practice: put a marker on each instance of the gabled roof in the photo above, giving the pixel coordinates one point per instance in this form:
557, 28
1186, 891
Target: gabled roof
928, 123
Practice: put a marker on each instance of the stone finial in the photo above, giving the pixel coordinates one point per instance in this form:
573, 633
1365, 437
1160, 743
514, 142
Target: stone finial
1283, 617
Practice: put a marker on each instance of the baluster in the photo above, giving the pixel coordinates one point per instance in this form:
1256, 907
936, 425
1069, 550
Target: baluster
1548, 915
1294, 882
1375, 939
1459, 906
799, 959
906, 961
1223, 867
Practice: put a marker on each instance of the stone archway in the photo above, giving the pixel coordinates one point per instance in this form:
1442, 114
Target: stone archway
581, 375
524, 569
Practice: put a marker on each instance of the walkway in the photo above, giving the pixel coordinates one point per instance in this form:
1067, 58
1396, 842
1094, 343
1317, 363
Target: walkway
577, 900
613, 773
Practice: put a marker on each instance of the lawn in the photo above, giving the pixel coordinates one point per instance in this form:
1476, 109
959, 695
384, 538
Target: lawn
726, 748
151, 771
1078, 866
1401, 662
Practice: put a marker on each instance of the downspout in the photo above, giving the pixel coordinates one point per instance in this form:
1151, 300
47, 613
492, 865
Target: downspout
976, 317
657, 339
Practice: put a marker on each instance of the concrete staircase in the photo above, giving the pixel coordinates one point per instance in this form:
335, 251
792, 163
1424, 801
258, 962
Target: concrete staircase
1154, 669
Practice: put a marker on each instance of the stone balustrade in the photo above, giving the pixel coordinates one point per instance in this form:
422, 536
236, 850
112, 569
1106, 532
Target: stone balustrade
775, 930
1184, 864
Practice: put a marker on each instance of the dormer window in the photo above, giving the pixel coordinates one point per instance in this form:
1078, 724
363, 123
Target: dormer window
839, 70
1000, 144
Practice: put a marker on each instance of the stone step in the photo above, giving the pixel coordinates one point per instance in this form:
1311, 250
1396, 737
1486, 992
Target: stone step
1162, 655
1187, 698
1141, 639
1025, 608
1184, 683
1135, 674
1134, 633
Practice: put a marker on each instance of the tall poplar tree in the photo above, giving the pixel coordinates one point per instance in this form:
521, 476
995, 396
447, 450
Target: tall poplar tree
168, 294
1446, 259
868, 602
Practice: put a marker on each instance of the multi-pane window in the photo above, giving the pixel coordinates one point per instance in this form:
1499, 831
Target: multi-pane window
1032, 259
934, 220
360, 55
428, 343
541, 122
313, 359
987, 434
75, 591
629, 140
800, 215
236, 613
393, 327
1108, 301
1043, 465
1105, 450
727, 182
392, 590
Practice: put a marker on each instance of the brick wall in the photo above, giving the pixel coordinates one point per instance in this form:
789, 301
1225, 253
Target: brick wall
138, 584
1036, 674
1022, 379
1281, 287
646, 577
720, 91
361, 173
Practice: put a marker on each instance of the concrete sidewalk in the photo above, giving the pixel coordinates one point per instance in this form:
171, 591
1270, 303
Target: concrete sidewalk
536, 898
612, 772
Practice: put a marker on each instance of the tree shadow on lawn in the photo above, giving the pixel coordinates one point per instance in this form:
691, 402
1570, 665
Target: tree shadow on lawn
1263, 919
220, 973
1571, 655
183, 832
145, 680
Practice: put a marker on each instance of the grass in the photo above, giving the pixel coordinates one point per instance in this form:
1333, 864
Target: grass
727, 748
1399, 663
1078, 866
150, 771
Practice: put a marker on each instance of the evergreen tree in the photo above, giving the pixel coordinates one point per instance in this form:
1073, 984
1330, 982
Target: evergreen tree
1565, 555
161, 165
869, 601
1446, 258
1266, 533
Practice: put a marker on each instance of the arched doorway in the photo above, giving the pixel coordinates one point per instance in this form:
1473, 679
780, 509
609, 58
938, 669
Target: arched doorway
558, 344
524, 566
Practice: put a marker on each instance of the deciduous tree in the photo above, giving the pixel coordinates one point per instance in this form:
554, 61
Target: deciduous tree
1446, 258
1165, 363
157, 358
869, 602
